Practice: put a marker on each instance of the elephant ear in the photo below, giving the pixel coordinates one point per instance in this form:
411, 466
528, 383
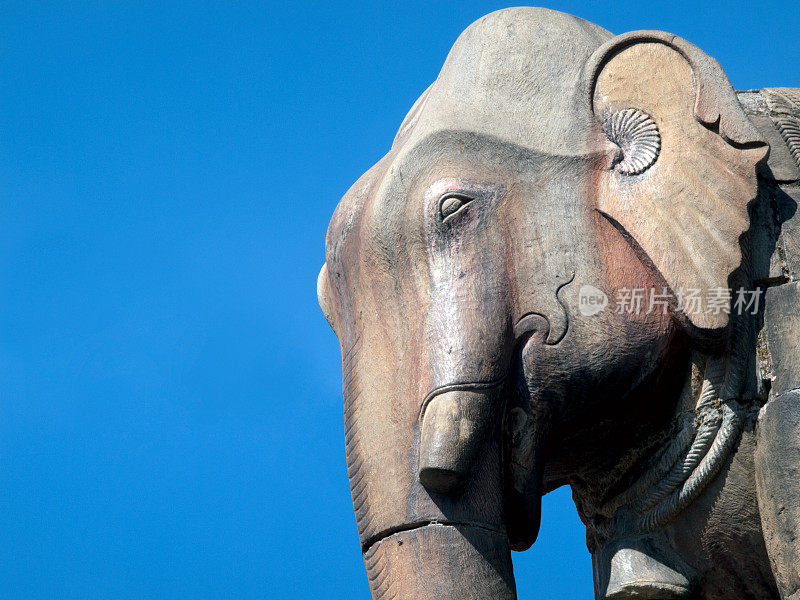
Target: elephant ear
685, 164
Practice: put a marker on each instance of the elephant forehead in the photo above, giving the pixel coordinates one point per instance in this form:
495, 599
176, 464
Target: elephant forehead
515, 74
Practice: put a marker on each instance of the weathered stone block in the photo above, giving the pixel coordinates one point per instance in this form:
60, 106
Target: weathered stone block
782, 324
789, 244
782, 165
777, 460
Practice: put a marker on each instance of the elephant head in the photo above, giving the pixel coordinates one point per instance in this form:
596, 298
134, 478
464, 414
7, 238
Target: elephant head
480, 280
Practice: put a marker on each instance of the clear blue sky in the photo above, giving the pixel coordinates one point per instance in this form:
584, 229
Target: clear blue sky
170, 405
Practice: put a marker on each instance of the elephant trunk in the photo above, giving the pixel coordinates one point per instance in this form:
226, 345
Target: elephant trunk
441, 562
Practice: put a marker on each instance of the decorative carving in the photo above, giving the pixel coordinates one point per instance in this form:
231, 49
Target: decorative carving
635, 132
790, 130
784, 107
477, 277
702, 445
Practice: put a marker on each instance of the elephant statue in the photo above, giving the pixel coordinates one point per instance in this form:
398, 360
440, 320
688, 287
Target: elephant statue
577, 265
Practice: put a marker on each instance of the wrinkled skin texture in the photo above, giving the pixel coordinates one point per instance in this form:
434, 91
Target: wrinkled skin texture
473, 381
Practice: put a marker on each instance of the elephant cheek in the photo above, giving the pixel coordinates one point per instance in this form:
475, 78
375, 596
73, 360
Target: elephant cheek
441, 562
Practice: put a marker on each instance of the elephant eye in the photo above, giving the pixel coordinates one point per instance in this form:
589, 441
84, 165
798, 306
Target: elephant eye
451, 204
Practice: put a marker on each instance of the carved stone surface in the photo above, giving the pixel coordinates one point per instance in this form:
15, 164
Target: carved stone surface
782, 326
577, 265
776, 113
778, 465
788, 250
635, 132
784, 108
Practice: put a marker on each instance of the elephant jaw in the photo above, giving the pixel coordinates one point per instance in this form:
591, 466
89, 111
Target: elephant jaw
441, 561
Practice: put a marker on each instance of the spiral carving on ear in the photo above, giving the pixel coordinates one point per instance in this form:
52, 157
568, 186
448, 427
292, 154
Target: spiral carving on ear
637, 135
